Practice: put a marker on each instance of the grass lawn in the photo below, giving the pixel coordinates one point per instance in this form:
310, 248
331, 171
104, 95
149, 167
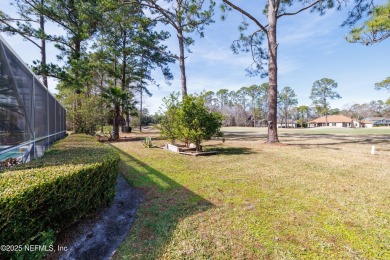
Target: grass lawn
319, 195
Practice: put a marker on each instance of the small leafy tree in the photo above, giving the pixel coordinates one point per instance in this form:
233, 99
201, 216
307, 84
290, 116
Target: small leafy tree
197, 123
190, 120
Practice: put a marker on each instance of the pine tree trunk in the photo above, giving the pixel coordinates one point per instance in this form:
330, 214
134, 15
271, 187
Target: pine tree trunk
75, 56
43, 48
272, 74
140, 111
115, 125
124, 61
326, 113
115, 61
286, 119
123, 81
182, 64
128, 129
254, 117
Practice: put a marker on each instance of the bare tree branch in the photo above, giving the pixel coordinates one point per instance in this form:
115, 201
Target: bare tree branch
246, 14
300, 10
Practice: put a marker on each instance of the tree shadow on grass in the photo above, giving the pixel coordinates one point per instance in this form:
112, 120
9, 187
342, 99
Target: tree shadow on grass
165, 203
230, 150
333, 141
244, 136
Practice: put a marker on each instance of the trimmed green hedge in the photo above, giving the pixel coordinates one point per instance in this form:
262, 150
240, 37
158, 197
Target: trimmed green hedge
76, 176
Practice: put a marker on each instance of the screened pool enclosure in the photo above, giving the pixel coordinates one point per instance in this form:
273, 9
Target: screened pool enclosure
31, 119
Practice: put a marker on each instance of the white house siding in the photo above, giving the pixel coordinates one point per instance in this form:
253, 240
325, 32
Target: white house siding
290, 125
340, 124
333, 125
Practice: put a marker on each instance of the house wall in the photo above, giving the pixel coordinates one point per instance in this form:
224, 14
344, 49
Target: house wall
283, 125
345, 125
334, 124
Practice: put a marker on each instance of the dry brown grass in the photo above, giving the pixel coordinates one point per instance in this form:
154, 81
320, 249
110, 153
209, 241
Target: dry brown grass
321, 195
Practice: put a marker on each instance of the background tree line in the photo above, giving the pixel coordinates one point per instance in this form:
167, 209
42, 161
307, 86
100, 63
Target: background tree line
248, 105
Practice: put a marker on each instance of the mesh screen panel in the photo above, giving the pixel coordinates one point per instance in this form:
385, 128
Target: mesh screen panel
40, 112
12, 119
30, 117
52, 115
21, 81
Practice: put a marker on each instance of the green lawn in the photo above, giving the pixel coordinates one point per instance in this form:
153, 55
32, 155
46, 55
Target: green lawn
320, 195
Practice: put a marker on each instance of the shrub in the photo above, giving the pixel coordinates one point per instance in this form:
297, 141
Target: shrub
189, 120
197, 122
75, 177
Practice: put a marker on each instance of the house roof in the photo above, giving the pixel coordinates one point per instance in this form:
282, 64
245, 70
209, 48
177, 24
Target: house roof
333, 119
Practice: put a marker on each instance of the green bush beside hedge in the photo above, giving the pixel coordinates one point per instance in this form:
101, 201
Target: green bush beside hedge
76, 176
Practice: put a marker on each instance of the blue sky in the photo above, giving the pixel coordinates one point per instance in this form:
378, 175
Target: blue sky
311, 47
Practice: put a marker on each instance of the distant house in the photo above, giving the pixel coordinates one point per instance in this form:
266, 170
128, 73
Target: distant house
367, 123
335, 120
376, 121
383, 122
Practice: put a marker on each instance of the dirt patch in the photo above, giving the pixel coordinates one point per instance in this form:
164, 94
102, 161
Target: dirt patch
99, 236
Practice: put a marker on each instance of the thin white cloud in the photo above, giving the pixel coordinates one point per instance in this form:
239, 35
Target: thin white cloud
306, 28
221, 56
288, 65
